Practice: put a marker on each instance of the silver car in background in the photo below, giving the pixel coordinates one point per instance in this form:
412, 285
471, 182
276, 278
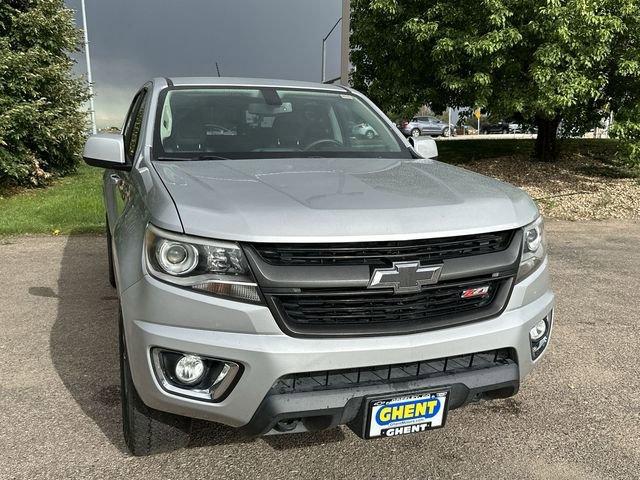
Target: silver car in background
281, 271
426, 126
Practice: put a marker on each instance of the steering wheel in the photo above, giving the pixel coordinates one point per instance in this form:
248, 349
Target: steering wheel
323, 141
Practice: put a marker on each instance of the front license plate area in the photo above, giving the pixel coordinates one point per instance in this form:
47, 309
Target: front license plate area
402, 414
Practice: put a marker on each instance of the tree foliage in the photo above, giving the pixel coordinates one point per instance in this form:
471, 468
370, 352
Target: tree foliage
42, 125
544, 62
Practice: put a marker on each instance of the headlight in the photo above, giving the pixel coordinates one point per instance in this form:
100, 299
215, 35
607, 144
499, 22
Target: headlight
211, 266
534, 249
176, 258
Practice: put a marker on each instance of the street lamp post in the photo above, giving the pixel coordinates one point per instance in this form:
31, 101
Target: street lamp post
92, 110
345, 47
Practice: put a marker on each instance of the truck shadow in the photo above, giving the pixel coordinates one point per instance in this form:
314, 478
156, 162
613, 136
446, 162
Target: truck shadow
84, 349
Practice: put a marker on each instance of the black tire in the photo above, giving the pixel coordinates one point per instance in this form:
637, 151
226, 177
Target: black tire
112, 274
415, 132
505, 131
147, 431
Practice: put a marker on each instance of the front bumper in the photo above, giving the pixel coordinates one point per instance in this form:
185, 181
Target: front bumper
159, 315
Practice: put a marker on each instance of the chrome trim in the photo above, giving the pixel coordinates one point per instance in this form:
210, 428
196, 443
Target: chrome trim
405, 276
179, 237
194, 280
218, 388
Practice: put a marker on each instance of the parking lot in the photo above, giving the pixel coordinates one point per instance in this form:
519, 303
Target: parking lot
577, 416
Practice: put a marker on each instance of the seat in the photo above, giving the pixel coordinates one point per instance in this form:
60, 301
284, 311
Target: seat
287, 129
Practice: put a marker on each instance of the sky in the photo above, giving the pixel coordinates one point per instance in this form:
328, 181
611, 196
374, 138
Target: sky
132, 41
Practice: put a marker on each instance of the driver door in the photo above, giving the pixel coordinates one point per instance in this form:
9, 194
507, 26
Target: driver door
117, 187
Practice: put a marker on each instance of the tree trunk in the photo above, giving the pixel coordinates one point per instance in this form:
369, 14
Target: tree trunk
546, 149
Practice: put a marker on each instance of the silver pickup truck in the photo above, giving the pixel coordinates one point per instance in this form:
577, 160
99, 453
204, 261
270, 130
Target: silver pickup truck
279, 273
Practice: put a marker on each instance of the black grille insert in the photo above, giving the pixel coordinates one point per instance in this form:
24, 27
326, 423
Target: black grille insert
362, 311
355, 377
384, 253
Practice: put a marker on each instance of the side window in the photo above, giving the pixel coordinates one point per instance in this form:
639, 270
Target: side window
128, 122
133, 124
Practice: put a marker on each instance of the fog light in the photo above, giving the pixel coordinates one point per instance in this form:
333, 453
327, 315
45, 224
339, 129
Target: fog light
195, 376
538, 331
539, 336
189, 369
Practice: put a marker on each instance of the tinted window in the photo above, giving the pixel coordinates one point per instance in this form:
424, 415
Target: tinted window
270, 123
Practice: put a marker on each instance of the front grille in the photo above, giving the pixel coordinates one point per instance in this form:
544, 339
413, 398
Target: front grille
356, 377
380, 311
384, 253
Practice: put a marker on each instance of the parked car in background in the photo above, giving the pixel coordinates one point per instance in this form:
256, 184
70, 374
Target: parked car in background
503, 126
426, 126
515, 127
364, 130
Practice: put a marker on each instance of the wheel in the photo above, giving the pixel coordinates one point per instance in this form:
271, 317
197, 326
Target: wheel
505, 131
147, 431
446, 132
112, 275
415, 132
370, 134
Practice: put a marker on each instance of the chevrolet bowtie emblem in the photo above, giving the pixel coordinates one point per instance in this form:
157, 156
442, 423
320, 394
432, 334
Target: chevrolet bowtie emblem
405, 277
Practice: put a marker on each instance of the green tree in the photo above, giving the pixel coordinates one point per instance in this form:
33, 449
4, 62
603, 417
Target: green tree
544, 62
42, 122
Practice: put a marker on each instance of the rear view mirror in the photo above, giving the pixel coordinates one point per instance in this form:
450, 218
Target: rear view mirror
106, 150
426, 147
264, 109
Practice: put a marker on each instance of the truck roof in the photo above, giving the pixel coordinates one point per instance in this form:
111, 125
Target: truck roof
251, 82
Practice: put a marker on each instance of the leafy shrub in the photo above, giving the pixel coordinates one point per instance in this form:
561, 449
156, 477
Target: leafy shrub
42, 122
627, 129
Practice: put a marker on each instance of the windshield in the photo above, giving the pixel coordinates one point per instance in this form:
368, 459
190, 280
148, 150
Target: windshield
240, 123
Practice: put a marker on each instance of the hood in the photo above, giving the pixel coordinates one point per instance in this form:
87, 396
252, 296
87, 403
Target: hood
351, 199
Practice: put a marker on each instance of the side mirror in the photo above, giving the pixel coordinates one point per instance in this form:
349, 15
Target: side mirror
426, 147
106, 150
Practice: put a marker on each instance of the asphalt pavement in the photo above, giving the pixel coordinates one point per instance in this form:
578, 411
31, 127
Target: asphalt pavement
576, 417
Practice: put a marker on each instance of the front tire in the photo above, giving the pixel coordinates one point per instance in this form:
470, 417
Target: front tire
415, 133
147, 431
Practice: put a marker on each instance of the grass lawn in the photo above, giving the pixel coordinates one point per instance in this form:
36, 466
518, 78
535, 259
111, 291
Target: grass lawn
70, 204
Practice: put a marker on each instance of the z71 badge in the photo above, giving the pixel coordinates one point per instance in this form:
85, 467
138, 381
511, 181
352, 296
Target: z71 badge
409, 414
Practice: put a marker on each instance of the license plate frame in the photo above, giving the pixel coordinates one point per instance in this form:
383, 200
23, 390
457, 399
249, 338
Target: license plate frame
413, 421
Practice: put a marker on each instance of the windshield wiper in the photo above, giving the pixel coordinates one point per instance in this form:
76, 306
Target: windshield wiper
197, 157
209, 157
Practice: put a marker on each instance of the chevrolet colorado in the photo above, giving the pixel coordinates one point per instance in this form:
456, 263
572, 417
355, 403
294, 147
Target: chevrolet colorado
278, 273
